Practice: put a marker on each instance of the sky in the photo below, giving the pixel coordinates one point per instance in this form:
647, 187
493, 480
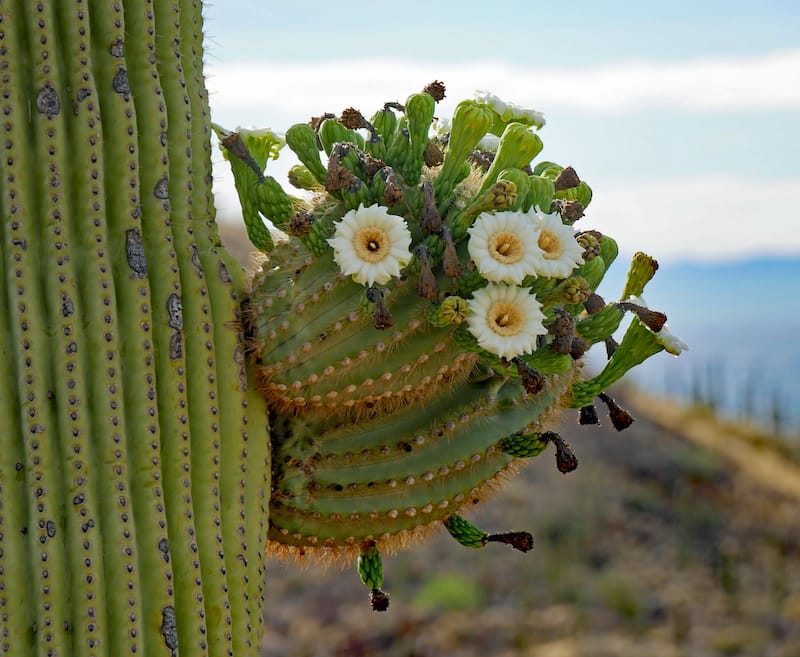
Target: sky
683, 117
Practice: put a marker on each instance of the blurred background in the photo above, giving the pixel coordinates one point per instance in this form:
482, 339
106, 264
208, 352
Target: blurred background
680, 536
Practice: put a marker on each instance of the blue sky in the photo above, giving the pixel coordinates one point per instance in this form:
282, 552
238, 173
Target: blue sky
684, 117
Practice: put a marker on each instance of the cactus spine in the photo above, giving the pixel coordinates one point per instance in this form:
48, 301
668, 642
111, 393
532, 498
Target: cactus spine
134, 467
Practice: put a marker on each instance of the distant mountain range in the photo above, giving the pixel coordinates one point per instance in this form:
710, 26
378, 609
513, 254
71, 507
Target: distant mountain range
741, 321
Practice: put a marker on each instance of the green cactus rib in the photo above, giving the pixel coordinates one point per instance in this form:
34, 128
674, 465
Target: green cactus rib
389, 478
22, 393
180, 303
223, 279
135, 330
112, 540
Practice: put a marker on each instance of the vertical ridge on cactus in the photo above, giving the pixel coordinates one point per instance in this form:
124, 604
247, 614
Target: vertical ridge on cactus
125, 527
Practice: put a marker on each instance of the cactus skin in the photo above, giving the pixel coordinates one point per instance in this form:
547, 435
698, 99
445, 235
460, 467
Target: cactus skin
133, 472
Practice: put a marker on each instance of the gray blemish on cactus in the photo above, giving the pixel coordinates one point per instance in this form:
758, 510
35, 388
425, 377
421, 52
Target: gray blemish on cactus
134, 249
175, 312
117, 48
176, 346
120, 83
161, 190
47, 102
163, 548
169, 628
67, 306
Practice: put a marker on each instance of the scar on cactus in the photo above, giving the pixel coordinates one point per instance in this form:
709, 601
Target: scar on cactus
417, 322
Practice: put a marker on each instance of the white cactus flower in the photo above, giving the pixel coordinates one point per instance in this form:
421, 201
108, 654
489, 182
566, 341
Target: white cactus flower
510, 111
505, 246
562, 253
505, 320
371, 245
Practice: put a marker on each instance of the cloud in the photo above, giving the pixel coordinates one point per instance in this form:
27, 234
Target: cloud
717, 218
284, 90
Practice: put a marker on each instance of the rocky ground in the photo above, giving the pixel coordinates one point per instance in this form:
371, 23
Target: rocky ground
677, 537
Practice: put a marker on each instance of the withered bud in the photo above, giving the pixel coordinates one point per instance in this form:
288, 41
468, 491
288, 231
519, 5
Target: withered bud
353, 119
300, 223
566, 179
435, 89
611, 346
432, 156
338, 177
379, 600
566, 461
522, 541
235, 146
482, 159
381, 317
429, 221
572, 211
619, 417
588, 415
450, 261
562, 324
426, 288
594, 304
578, 348
532, 380
371, 164
652, 319
316, 121
394, 105
392, 191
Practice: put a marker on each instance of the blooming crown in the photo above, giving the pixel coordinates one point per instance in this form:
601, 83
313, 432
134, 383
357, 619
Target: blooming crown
421, 261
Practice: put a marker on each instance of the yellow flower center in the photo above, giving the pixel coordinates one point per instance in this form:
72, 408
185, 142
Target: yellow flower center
505, 319
505, 247
371, 244
550, 244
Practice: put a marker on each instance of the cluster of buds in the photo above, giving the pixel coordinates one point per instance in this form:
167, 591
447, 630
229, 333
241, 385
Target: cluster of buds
426, 256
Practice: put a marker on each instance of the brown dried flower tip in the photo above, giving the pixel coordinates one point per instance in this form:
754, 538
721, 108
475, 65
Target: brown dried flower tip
353, 119
450, 262
566, 461
435, 89
371, 164
652, 319
300, 223
532, 380
588, 415
522, 541
619, 417
566, 179
578, 348
379, 600
432, 156
381, 317
235, 146
611, 346
572, 211
426, 289
338, 177
392, 191
594, 304
429, 221
481, 159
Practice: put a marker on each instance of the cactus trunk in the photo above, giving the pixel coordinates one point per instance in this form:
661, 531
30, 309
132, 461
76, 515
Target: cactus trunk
134, 472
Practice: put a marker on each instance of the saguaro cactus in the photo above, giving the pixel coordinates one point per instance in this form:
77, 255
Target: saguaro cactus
133, 455
422, 319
